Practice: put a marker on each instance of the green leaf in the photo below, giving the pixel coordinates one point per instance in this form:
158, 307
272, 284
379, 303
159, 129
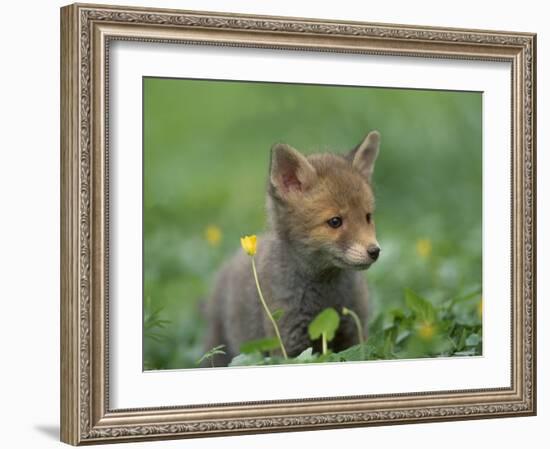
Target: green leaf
357, 353
326, 322
211, 353
402, 336
473, 294
468, 352
420, 306
277, 314
261, 345
254, 358
473, 340
397, 314
462, 339
152, 319
155, 337
306, 356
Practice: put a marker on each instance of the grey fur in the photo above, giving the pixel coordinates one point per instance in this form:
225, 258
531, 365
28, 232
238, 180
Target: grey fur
296, 274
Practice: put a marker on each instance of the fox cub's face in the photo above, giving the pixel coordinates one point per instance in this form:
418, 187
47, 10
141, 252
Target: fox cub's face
324, 204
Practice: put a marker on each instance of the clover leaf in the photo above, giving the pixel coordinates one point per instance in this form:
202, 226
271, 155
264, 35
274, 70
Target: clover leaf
324, 325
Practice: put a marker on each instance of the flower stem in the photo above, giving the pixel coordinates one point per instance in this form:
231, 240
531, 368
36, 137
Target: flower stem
357, 321
325, 348
267, 309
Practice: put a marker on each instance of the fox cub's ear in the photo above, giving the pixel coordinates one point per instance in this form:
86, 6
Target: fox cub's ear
364, 156
290, 170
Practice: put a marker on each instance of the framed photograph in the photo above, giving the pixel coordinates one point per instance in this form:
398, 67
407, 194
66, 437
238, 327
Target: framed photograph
281, 224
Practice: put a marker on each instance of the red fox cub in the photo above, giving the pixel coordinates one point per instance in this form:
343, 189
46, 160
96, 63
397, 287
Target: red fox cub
321, 234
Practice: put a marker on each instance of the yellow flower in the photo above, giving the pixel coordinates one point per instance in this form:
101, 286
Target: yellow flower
426, 331
213, 235
248, 243
480, 308
424, 247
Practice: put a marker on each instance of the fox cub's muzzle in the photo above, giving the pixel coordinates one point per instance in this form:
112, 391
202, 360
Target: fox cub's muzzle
373, 251
361, 257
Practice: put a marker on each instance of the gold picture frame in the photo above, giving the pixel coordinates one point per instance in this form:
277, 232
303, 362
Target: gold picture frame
86, 33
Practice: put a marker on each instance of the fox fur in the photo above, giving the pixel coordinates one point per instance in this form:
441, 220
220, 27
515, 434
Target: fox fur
305, 263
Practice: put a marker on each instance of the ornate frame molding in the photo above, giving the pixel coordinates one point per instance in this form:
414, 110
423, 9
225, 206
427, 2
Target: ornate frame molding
86, 32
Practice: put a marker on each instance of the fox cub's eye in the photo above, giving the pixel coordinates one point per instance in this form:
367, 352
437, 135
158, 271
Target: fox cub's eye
335, 222
369, 218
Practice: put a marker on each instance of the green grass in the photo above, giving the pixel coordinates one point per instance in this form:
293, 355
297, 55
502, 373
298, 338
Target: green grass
206, 158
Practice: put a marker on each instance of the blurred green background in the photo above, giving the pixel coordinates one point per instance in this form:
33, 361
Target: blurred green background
206, 158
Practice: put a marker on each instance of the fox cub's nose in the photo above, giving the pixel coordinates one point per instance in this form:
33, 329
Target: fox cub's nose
373, 251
